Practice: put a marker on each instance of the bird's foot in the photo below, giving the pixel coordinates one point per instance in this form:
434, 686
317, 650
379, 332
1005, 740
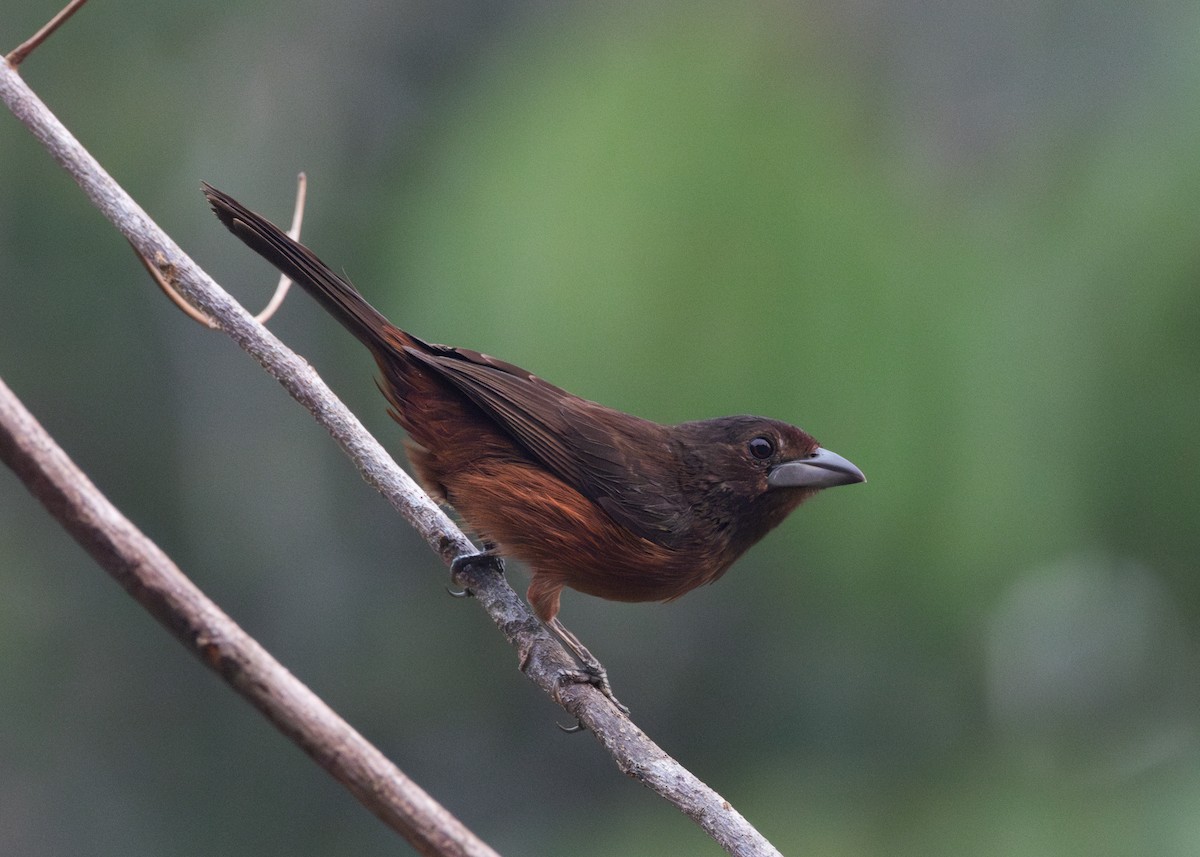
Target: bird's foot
460, 564
590, 671
595, 675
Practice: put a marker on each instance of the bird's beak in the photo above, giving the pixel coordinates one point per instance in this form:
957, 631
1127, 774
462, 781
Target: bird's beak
822, 469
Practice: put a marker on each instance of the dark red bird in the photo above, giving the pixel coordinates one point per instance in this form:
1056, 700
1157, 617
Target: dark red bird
589, 497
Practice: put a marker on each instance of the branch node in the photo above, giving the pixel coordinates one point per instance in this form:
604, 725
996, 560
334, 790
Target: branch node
163, 272
23, 50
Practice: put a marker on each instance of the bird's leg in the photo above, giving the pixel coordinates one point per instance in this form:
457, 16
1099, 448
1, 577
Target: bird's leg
592, 672
485, 557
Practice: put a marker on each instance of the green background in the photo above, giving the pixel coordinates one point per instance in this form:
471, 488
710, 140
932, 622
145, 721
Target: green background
957, 243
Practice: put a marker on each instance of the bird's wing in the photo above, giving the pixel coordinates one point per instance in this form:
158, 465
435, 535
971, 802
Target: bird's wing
606, 455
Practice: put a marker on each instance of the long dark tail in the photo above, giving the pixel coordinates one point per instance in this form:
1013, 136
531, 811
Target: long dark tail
295, 260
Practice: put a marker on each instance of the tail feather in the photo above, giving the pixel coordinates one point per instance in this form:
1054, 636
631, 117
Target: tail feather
299, 263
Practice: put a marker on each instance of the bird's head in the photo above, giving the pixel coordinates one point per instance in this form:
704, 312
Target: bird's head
747, 473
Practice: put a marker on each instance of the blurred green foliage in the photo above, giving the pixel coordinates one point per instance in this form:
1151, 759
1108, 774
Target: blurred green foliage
958, 245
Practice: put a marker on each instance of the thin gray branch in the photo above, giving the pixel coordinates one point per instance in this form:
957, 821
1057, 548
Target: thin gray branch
545, 661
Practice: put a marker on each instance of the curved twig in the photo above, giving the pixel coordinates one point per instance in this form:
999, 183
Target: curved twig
162, 276
285, 282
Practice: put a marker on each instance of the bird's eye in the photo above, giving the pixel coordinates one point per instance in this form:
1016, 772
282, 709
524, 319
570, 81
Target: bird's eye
761, 448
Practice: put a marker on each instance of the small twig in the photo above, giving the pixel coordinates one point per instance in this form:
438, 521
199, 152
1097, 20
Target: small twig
163, 275
285, 282
18, 54
149, 575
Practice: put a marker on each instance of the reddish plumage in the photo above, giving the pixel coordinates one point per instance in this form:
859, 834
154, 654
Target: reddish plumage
592, 498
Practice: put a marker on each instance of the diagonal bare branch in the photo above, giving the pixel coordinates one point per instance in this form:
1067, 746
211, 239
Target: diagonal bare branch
543, 658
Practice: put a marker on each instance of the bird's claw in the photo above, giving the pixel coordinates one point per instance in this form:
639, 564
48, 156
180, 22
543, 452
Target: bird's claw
595, 675
482, 558
459, 564
578, 727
